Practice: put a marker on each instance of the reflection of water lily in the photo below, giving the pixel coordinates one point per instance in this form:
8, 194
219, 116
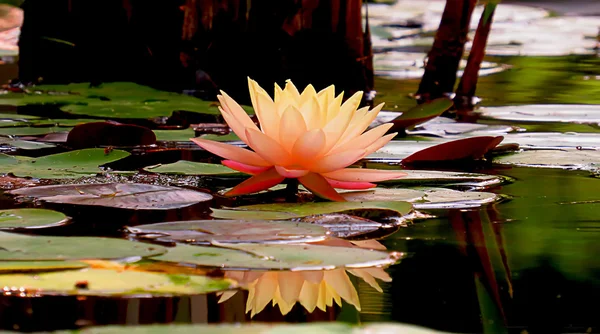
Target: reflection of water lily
312, 289
308, 136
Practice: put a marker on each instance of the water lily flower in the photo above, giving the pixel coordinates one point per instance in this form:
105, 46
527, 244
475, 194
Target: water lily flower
310, 136
312, 289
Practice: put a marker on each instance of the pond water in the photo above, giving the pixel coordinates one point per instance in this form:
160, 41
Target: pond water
527, 262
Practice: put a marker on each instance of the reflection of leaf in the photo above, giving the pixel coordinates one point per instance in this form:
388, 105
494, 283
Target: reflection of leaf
293, 210
278, 257
109, 282
21, 247
117, 195
205, 231
72, 164
30, 219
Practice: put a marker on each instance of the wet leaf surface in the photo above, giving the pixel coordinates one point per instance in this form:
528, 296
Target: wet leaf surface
468, 148
231, 231
32, 266
563, 158
184, 167
346, 226
72, 164
422, 113
293, 210
32, 131
278, 257
17, 219
111, 282
570, 113
132, 196
25, 144
16, 247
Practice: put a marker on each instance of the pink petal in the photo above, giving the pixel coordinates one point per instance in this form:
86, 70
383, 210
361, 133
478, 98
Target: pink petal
363, 175
337, 161
231, 152
290, 173
256, 183
350, 184
319, 186
240, 167
267, 148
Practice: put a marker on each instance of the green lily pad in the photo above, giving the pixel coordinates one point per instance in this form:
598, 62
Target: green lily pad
175, 135
62, 122
422, 113
184, 167
16, 219
570, 113
563, 158
347, 226
223, 138
140, 109
132, 196
28, 266
200, 232
111, 282
25, 144
72, 164
430, 177
16, 247
293, 210
18, 117
32, 131
278, 256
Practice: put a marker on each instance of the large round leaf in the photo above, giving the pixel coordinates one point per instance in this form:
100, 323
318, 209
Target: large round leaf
32, 131
16, 247
111, 282
29, 266
17, 219
117, 195
184, 167
278, 256
249, 231
430, 177
293, 210
571, 113
72, 164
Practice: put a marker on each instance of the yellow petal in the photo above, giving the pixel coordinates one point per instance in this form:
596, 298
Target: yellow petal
267, 115
336, 126
252, 93
358, 127
226, 295
291, 90
378, 273
267, 148
284, 307
231, 152
352, 103
308, 147
322, 296
367, 278
363, 141
236, 111
381, 142
278, 93
326, 96
291, 127
313, 276
338, 279
308, 94
309, 295
290, 284
264, 291
337, 161
369, 244
311, 112
251, 294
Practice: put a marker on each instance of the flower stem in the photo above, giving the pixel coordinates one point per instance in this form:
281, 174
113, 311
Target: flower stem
291, 190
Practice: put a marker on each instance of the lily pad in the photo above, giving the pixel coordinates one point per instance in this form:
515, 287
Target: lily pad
142, 109
32, 131
184, 167
563, 158
17, 219
433, 198
278, 257
175, 135
72, 164
568, 113
430, 177
468, 148
293, 210
29, 266
200, 232
347, 226
111, 282
16, 247
422, 113
116, 195
25, 144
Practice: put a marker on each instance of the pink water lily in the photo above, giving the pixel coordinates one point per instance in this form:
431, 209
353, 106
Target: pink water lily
310, 136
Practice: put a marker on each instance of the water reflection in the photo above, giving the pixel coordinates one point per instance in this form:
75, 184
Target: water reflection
311, 289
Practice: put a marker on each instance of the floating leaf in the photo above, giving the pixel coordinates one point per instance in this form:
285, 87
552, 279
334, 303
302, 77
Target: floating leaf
430, 177
345, 226
293, 210
109, 133
17, 219
31, 131
468, 148
184, 167
175, 135
72, 164
27, 266
25, 144
422, 113
278, 256
140, 109
231, 231
563, 158
41, 248
117, 195
569, 113
111, 282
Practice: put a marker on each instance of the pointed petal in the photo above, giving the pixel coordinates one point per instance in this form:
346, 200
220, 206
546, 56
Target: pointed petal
339, 280
352, 103
350, 185
363, 175
337, 125
257, 183
290, 173
312, 114
278, 93
264, 291
313, 276
320, 187
290, 284
358, 126
363, 141
307, 94
237, 112
291, 127
267, 148
367, 278
308, 147
267, 115
284, 307
252, 91
231, 152
322, 296
226, 295
291, 90
381, 142
369, 244
378, 273
337, 161
308, 296
248, 169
